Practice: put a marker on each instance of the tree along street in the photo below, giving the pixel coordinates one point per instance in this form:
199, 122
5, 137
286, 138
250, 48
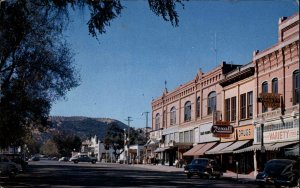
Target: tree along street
47, 173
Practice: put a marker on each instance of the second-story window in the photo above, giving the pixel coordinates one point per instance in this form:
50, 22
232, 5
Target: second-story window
212, 102
187, 111
296, 87
157, 121
227, 109
198, 107
250, 104
233, 108
264, 88
243, 106
275, 85
173, 116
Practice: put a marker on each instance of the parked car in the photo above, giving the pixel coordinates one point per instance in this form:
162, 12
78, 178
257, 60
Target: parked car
203, 167
7, 167
18, 159
34, 158
280, 172
64, 159
83, 158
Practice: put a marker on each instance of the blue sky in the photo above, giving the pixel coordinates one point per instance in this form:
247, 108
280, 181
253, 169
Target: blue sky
123, 71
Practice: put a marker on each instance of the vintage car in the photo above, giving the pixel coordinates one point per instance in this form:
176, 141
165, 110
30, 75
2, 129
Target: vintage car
83, 158
7, 167
279, 172
203, 167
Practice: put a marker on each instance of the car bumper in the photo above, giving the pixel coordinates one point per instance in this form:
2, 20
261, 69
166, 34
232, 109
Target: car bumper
273, 181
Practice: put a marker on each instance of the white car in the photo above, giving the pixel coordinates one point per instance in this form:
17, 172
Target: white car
8, 168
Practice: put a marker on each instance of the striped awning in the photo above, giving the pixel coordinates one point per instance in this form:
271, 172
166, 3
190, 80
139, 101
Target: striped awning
253, 148
279, 145
160, 149
236, 145
193, 150
218, 148
206, 147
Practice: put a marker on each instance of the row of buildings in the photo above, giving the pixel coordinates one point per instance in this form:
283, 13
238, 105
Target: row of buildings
256, 105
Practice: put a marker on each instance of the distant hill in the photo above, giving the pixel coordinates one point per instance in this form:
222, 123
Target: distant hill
83, 126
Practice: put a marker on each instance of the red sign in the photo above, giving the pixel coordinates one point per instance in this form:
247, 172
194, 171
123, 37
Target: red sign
222, 129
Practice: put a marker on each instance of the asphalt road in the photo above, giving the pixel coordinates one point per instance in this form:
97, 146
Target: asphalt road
46, 173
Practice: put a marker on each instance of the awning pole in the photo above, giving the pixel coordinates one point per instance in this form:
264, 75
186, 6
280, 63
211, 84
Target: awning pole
255, 162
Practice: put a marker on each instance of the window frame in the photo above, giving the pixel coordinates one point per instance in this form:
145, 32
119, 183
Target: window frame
211, 102
264, 89
187, 111
243, 106
198, 107
173, 116
157, 121
296, 87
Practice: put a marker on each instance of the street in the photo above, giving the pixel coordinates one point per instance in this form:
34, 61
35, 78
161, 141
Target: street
47, 173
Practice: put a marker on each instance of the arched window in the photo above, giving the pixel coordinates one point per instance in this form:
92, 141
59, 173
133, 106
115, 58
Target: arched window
212, 102
173, 116
264, 89
275, 85
198, 107
296, 87
157, 121
187, 111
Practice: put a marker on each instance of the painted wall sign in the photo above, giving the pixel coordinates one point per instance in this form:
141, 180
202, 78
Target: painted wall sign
269, 100
281, 135
245, 132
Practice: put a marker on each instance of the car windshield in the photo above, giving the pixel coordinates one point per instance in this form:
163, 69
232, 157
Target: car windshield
202, 162
277, 167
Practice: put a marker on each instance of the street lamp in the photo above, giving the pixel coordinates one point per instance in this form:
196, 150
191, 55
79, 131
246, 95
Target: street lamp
263, 148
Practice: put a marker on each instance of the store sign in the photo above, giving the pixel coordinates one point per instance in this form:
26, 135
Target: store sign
269, 100
222, 129
281, 135
245, 132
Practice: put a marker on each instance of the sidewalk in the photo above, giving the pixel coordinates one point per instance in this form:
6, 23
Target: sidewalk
244, 178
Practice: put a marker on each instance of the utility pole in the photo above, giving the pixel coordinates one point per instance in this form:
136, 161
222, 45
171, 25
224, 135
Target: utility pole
128, 138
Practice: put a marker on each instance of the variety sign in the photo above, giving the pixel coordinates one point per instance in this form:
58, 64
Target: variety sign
281, 135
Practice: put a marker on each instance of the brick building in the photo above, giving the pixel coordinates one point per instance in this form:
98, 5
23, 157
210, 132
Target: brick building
260, 96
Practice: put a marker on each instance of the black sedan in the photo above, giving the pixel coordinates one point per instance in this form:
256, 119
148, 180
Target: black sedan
203, 167
280, 172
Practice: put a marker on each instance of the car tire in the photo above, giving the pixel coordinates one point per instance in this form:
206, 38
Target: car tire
93, 162
189, 176
75, 161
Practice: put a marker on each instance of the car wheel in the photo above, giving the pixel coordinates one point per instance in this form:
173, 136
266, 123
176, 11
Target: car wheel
93, 162
189, 176
12, 175
75, 161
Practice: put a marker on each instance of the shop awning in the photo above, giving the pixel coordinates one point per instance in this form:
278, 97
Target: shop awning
218, 148
236, 145
253, 147
160, 149
279, 145
152, 142
294, 151
206, 147
193, 150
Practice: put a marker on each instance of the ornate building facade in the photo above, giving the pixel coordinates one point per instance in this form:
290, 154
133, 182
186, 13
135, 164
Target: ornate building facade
260, 100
